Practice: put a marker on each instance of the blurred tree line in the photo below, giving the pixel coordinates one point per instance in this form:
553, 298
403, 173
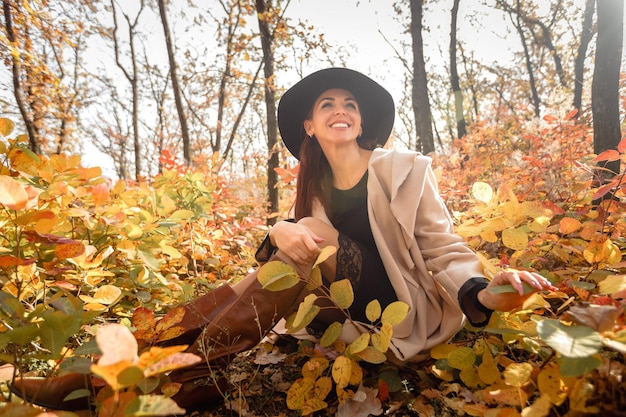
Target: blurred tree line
201, 79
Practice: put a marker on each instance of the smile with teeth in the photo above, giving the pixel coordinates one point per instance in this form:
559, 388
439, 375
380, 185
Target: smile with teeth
339, 124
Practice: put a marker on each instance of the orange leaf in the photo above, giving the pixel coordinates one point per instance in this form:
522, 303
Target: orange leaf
69, 250
571, 114
568, 225
12, 194
621, 147
9, 260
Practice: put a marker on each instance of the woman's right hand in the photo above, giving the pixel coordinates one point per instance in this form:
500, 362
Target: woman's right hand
296, 241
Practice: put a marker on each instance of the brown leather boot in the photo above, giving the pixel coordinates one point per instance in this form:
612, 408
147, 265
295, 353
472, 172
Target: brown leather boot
51, 392
236, 328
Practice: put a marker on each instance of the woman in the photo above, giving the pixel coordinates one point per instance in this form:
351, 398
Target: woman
379, 208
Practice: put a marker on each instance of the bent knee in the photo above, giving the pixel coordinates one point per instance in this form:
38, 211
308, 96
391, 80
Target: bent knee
320, 227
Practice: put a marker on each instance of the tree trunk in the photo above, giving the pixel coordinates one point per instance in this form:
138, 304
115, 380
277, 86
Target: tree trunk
579, 65
132, 79
605, 85
454, 75
536, 102
31, 128
421, 103
175, 86
270, 106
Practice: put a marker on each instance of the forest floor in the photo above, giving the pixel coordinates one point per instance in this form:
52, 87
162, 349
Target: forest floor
261, 377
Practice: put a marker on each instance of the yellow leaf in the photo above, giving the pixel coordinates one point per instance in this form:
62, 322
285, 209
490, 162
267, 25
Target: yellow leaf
312, 405
314, 367
277, 276
323, 386
441, 351
360, 343
182, 215
518, 374
107, 294
342, 369
371, 355
382, 340
299, 392
569, 225
482, 192
6, 126
612, 284
331, 334
306, 312
605, 251
341, 293
488, 371
170, 251
462, 358
394, 313
325, 253
515, 239
373, 310
550, 384
12, 194
470, 377
540, 408
356, 376
111, 373
315, 279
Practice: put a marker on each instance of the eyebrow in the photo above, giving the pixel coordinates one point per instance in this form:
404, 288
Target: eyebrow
333, 99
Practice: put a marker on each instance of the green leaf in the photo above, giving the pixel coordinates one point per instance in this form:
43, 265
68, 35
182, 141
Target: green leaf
57, 328
573, 367
507, 288
277, 276
395, 312
569, 341
331, 334
341, 293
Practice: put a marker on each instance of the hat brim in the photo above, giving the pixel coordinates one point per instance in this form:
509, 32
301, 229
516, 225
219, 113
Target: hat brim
375, 103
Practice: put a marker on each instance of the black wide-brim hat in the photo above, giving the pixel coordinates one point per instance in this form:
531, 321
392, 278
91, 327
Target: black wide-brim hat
375, 103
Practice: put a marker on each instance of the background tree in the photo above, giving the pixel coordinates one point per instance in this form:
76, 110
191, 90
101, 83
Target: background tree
605, 87
264, 14
173, 72
586, 34
454, 75
421, 103
132, 76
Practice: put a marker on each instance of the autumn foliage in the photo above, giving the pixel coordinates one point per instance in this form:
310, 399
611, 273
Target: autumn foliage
78, 253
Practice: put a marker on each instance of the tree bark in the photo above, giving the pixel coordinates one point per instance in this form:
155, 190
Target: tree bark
454, 75
579, 65
605, 85
270, 106
175, 86
132, 79
31, 128
421, 103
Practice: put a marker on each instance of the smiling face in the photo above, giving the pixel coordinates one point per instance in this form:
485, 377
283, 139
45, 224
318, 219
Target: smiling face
335, 118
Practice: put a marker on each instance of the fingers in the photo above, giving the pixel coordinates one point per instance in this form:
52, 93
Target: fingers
518, 277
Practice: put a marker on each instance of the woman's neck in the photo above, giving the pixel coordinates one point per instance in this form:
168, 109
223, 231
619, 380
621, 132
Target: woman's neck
348, 167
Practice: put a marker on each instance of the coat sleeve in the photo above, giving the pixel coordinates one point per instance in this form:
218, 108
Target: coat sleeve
445, 253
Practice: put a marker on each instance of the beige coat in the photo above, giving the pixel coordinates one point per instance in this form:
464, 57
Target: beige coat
425, 261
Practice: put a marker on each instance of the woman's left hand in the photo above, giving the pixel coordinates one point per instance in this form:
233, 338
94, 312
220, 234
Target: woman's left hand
507, 301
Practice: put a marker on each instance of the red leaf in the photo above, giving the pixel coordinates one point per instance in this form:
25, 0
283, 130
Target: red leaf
608, 155
571, 114
602, 191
